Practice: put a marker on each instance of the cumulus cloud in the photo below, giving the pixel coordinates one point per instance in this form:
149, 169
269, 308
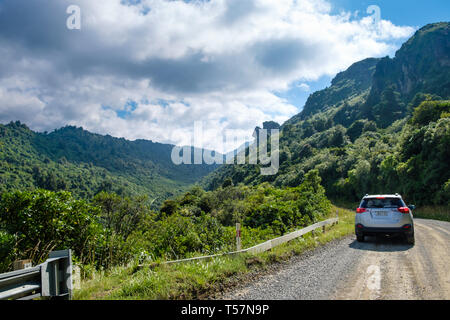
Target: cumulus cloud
174, 62
304, 86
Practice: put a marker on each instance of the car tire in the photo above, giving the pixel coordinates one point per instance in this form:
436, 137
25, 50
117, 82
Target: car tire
360, 237
410, 239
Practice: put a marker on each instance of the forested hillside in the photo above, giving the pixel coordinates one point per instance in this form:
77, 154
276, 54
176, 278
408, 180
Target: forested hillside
84, 163
383, 126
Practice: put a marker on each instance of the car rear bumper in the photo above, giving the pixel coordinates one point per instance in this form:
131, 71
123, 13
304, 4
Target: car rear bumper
405, 229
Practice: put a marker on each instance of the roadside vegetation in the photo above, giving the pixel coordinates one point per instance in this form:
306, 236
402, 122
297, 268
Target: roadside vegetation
433, 212
111, 230
202, 279
120, 244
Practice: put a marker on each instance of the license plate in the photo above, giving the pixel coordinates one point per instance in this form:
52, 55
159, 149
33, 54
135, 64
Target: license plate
381, 214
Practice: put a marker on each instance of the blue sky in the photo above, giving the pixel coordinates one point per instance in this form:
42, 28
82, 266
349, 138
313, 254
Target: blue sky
402, 12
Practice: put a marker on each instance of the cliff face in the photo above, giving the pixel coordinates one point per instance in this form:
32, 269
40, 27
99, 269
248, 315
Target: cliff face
422, 58
422, 65
387, 86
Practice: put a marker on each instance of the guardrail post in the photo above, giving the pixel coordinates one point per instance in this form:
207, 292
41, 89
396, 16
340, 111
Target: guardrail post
76, 277
56, 275
53, 279
238, 236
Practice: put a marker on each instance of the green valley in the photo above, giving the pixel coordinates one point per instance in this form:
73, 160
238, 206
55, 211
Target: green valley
75, 160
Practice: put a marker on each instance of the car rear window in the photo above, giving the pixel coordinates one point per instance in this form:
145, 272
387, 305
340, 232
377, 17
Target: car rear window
382, 203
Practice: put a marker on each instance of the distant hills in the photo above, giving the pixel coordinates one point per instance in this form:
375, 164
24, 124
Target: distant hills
84, 163
362, 132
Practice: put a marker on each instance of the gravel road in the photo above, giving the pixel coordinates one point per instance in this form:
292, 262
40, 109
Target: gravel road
380, 268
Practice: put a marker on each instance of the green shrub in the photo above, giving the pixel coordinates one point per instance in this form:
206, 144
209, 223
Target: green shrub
42, 221
7, 250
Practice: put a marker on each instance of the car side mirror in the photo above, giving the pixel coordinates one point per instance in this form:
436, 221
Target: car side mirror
412, 207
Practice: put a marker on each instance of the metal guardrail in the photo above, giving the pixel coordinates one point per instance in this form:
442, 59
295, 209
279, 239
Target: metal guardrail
53, 278
265, 246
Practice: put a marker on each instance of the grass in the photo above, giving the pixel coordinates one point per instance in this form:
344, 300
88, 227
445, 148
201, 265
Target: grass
201, 279
433, 212
342, 203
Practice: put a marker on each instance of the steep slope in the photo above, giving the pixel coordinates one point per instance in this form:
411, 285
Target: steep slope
353, 82
356, 131
85, 163
421, 66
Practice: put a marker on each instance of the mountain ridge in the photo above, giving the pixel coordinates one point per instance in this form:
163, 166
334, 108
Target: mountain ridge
356, 130
74, 159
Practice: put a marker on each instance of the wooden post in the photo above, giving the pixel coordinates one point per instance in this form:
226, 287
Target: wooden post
323, 229
337, 216
238, 236
76, 277
22, 264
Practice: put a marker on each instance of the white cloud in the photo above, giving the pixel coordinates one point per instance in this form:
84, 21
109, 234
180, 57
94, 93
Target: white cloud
304, 86
219, 61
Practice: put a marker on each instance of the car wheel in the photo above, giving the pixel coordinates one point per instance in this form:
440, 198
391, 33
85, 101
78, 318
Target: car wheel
360, 237
410, 239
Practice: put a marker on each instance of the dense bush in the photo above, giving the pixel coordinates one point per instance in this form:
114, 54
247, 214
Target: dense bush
177, 236
430, 111
34, 223
284, 209
263, 206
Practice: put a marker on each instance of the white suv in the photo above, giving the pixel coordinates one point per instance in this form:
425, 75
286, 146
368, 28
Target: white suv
385, 214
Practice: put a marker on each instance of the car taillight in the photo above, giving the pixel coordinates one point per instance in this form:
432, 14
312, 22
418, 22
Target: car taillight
360, 210
403, 209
